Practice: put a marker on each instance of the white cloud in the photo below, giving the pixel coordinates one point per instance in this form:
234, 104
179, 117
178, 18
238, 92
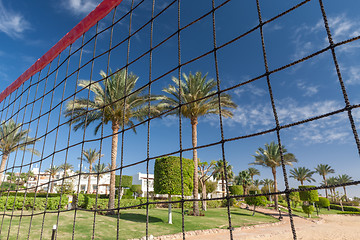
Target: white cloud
250, 89
309, 90
254, 118
341, 27
352, 75
80, 7
11, 23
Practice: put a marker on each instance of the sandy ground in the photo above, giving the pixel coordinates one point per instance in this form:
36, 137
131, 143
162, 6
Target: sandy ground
328, 227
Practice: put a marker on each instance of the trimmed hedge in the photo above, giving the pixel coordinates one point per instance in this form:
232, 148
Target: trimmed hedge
323, 202
310, 196
308, 209
236, 190
18, 203
32, 194
346, 208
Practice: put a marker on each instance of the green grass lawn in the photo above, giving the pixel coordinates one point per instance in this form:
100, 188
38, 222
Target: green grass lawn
132, 223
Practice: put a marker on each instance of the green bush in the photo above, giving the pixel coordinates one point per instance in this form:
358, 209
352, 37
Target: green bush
294, 198
308, 209
346, 208
126, 181
167, 175
351, 203
40, 203
323, 202
310, 195
236, 190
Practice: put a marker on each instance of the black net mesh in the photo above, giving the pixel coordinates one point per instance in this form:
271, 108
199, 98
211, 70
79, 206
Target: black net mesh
48, 123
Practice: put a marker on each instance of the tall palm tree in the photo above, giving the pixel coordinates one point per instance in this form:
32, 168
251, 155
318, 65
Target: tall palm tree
323, 170
12, 138
52, 172
243, 179
332, 181
100, 169
219, 173
344, 178
267, 183
115, 102
91, 155
256, 183
199, 98
253, 171
270, 157
66, 167
302, 174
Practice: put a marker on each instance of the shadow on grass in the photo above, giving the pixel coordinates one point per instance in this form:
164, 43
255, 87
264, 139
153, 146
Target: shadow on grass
242, 214
135, 217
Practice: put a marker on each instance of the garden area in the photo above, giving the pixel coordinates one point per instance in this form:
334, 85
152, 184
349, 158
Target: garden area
132, 223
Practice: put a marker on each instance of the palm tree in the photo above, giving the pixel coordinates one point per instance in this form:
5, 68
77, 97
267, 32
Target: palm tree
253, 171
344, 178
332, 181
256, 183
243, 179
66, 167
115, 102
100, 169
91, 155
12, 138
323, 170
270, 157
199, 98
219, 173
302, 174
267, 183
52, 172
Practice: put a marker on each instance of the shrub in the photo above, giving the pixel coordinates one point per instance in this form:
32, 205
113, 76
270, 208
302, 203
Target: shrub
295, 198
308, 209
256, 201
310, 195
346, 208
323, 202
236, 190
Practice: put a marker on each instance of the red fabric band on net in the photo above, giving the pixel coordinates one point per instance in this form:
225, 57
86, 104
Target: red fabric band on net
89, 21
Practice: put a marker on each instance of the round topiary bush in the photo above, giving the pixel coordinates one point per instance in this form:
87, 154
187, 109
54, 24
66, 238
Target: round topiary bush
310, 195
308, 209
323, 202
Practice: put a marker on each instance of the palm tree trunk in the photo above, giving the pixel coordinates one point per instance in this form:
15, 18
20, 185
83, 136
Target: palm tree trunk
346, 199
275, 187
194, 123
89, 180
2, 168
114, 146
302, 183
326, 193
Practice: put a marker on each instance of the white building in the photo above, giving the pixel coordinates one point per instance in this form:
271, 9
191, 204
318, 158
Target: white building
142, 179
41, 179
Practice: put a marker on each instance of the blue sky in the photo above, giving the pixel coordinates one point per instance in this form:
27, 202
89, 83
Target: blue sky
28, 29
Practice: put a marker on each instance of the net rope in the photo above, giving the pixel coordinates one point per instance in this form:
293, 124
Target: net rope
44, 95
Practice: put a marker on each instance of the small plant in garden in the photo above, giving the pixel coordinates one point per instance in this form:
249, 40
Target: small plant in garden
309, 197
256, 201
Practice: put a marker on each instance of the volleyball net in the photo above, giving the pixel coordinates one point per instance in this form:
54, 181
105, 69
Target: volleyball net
75, 144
